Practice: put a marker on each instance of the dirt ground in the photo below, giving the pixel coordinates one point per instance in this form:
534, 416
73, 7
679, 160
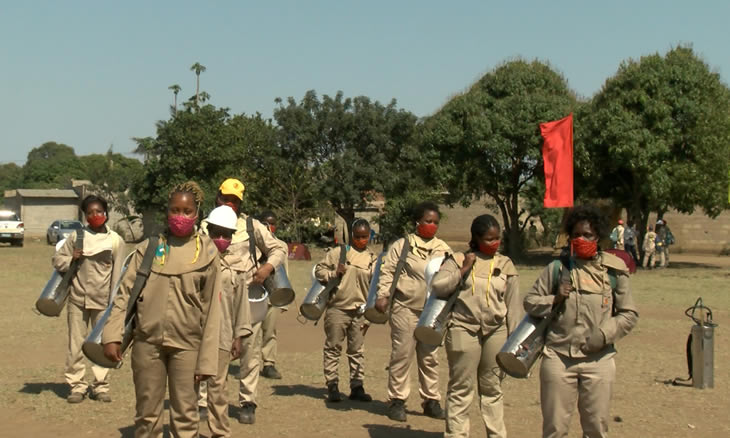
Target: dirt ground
33, 351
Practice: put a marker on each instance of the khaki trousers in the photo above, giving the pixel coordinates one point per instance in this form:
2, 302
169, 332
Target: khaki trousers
217, 398
80, 321
473, 365
250, 365
338, 325
268, 333
153, 367
563, 381
404, 346
649, 256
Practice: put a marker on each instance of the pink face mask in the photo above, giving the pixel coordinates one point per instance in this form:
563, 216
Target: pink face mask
181, 225
221, 243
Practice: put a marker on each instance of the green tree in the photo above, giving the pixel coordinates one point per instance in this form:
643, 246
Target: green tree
353, 147
52, 165
198, 68
658, 134
192, 145
111, 176
489, 137
11, 178
175, 89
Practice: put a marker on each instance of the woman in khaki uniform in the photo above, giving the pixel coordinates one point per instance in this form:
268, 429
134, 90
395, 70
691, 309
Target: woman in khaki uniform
177, 323
235, 319
408, 301
343, 318
100, 267
487, 310
255, 270
595, 310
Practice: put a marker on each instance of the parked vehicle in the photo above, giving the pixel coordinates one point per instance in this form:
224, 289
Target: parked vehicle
12, 229
61, 229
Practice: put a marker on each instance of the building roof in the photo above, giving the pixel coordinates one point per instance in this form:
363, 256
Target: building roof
47, 193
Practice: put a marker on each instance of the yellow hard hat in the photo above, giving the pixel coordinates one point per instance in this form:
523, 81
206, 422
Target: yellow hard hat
232, 186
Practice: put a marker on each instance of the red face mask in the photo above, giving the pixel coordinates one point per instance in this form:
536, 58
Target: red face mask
584, 249
221, 243
96, 221
360, 244
181, 225
272, 228
426, 231
489, 249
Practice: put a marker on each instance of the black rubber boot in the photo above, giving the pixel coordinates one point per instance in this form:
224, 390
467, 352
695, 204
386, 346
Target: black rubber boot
333, 393
397, 410
247, 414
432, 408
358, 393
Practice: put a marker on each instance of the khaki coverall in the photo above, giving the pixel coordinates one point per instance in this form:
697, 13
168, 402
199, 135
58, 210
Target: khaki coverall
649, 249
410, 297
578, 356
488, 309
275, 252
343, 319
177, 330
99, 270
235, 323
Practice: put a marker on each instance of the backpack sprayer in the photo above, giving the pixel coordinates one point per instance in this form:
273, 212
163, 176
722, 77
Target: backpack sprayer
700, 347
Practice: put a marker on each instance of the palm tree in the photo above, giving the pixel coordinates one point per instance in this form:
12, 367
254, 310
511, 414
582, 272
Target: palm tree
198, 68
204, 96
175, 89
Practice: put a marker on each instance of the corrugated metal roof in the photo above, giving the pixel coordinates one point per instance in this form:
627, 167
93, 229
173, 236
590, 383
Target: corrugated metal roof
47, 193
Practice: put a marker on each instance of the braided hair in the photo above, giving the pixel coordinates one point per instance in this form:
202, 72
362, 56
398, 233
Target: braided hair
479, 226
360, 222
190, 187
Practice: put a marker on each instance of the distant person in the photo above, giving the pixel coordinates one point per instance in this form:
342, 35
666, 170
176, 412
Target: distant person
630, 241
101, 259
268, 327
597, 309
668, 241
660, 242
408, 300
649, 249
532, 235
343, 320
617, 235
487, 310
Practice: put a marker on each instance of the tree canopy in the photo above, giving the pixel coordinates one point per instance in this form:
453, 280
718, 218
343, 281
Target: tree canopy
489, 137
658, 136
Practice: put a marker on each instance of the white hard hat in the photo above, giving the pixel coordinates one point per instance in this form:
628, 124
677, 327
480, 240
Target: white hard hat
223, 216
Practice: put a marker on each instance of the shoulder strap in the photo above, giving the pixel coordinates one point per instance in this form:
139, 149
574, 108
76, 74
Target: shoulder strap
142, 273
343, 254
555, 265
399, 267
79, 244
251, 240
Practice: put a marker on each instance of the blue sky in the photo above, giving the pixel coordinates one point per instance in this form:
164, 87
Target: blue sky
91, 74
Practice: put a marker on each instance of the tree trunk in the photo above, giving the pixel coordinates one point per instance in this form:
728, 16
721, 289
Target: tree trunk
175, 112
348, 215
197, 87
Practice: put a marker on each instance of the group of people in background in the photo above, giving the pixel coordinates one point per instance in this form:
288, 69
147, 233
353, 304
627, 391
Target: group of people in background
186, 292
655, 243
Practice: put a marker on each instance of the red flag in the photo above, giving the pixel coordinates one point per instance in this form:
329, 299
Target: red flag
557, 153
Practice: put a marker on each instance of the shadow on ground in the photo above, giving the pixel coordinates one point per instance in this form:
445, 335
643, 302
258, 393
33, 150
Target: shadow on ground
376, 407
387, 431
62, 390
